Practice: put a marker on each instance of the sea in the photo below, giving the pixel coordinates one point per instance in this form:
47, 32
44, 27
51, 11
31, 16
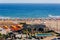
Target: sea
28, 10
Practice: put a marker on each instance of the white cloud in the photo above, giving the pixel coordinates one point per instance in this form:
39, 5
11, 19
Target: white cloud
29, 1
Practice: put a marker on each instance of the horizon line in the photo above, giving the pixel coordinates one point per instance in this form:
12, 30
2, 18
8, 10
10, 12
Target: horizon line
29, 3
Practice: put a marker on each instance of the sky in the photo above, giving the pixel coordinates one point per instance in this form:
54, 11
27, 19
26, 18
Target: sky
29, 1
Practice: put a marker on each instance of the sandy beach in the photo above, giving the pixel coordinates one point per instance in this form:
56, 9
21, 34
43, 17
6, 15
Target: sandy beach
50, 23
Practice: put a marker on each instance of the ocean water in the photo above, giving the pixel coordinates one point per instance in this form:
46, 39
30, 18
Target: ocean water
29, 10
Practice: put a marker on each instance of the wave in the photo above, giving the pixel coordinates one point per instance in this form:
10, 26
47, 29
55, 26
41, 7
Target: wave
4, 17
53, 16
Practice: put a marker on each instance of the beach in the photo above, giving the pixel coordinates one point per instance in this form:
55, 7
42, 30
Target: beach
29, 20
52, 24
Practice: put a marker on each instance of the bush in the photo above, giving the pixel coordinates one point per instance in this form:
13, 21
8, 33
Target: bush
58, 35
49, 31
0, 34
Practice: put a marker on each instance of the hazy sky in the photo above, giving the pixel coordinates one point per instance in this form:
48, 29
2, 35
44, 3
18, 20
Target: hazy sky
29, 1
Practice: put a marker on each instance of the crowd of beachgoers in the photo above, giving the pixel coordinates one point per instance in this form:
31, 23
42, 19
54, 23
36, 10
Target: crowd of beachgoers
50, 23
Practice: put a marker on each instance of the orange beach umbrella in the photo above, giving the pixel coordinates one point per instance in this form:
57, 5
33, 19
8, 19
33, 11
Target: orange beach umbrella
5, 27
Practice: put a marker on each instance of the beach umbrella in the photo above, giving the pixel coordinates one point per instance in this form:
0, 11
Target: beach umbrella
5, 27
15, 28
20, 26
